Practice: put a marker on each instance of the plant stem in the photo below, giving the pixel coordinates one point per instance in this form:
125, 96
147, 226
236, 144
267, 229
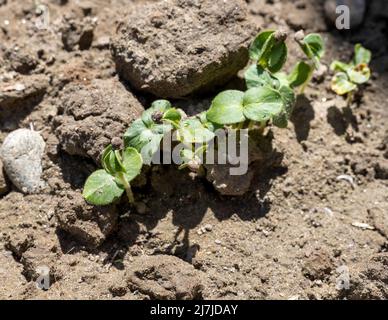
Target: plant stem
127, 187
349, 99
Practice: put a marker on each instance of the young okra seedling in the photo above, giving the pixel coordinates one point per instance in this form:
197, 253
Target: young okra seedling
349, 76
269, 100
107, 185
270, 96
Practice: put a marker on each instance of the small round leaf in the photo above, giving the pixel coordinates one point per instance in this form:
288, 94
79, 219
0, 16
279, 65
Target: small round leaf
227, 108
259, 45
341, 85
361, 55
132, 162
101, 189
300, 74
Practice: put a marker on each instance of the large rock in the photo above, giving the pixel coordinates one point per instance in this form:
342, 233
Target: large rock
93, 114
88, 224
176, 47
22, 153
165, 278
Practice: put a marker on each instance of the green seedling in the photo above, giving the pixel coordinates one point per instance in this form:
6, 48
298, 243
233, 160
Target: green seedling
107, 185
269, 52
146, 133
349, 76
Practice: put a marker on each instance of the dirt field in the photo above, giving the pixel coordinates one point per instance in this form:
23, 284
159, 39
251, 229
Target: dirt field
284, 239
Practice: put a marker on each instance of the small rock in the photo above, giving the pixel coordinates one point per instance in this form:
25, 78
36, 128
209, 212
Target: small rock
22, 153
318, 265
165, 277
208, 227
21, 60
217, 242
361, 225
347, 178
357, 11
175, 47
227, 184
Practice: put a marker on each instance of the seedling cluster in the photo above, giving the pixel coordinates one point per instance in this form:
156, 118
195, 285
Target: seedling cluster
269, 100
349, 76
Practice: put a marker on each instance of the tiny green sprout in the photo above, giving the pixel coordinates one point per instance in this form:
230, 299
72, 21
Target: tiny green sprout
195, 133
312, 45
269, 52
107, 185
349, 75
146, 133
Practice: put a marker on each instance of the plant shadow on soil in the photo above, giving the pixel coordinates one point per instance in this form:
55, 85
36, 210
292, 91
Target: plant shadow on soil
175, 192
341, 120
301, 117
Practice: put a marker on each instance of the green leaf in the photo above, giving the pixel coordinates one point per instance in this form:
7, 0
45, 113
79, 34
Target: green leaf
341, 85
208, 124
105, 158
227, 108
256, 76
269, 52
340, 66
277, 58
280, 120
145, 139
313, 46
261, 44
132, 162
288, 97
361, 55
359, 74
150, 148
193, 131
173, 116
300, 74
111, 161
262, 103
101, 189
